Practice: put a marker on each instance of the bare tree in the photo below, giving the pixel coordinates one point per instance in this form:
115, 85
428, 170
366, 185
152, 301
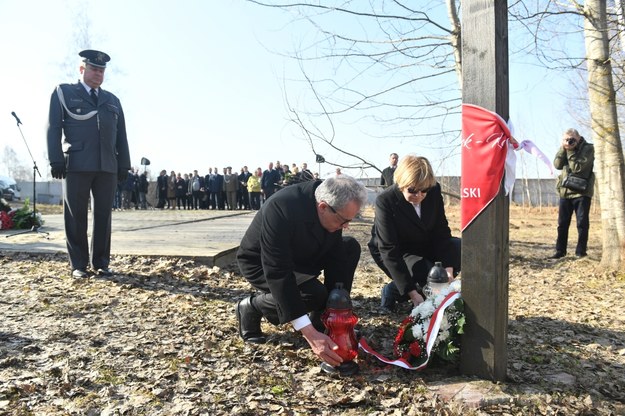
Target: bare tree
610, 166
384, 62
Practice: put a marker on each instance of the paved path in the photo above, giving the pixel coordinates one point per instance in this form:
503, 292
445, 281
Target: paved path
211, 237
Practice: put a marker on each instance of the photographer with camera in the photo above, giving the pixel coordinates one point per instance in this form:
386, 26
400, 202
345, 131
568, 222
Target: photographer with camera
575, 186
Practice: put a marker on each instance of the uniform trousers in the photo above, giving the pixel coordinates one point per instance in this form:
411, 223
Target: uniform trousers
78, 187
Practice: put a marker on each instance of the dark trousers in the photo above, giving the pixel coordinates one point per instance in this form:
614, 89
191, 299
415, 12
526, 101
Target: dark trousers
581, 207
418, 267
77, 188
215, 200
244, 199
268, 192
196, 200
255, 200
313, 292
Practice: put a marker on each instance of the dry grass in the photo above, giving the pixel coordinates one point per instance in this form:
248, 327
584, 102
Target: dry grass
160, 338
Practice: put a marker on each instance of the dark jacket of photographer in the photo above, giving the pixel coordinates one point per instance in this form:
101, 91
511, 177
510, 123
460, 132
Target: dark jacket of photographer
578, 161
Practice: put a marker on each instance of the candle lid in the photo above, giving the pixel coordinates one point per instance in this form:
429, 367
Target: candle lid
339, 298
438, 274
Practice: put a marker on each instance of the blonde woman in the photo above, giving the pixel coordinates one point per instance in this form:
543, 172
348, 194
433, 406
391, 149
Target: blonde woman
410, 232
253, 188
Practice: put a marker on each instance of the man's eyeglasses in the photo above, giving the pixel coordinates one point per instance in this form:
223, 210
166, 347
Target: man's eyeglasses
415, 191
342, 218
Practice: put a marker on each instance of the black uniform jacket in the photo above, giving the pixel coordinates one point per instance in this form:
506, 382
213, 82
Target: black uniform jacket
398, 230
286, 237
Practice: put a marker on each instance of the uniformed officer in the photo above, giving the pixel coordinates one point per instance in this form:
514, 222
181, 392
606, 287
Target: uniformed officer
88, 149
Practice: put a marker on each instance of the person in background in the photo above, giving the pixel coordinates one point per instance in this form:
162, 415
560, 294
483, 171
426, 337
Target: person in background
135, 191
410, 233
188, 190
305, 174
253, 188
243, 195
181, 192
161, 189
387, 173
224, 197
231, 186
295, 236
270, 181
171, 191
216, 186
196, 186
129, 187
88, 150
207, 189
576, 156
143, 190
287, 175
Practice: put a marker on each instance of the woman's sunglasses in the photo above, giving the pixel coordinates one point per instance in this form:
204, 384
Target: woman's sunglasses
415, 191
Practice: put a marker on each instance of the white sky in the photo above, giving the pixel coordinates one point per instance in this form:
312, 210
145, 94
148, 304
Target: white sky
202, 86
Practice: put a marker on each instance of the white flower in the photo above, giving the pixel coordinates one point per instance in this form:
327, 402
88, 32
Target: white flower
444, 323
424, 309
442, 337
455, 286
418, 332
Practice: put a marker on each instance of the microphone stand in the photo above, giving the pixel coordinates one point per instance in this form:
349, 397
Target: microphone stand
35, 228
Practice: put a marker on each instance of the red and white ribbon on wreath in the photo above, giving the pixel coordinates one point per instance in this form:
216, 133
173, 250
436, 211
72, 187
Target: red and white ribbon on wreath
435, 326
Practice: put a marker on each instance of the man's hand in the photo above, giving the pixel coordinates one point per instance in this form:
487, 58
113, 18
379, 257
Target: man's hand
122, 174
322, 345
58, 170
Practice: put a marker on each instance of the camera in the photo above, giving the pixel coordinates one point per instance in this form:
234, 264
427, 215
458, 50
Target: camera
570, 141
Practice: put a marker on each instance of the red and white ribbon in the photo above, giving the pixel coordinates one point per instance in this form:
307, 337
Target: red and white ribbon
432, 333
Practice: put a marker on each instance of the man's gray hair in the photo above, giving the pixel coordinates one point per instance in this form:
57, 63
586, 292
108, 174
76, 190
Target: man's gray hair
572, 132
341, 190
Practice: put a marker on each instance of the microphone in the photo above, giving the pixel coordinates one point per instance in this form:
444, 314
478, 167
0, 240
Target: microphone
16, 117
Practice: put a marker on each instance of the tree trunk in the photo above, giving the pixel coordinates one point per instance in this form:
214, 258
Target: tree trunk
455, 38
609, 163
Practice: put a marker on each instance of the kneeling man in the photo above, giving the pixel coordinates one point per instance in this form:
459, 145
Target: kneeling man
295, 236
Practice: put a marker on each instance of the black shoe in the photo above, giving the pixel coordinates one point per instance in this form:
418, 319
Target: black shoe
79, 274
558, 255
248, 319
105, 272
388, 305
580, 255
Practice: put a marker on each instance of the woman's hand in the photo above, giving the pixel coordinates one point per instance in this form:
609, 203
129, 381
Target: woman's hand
450, 274
415, 297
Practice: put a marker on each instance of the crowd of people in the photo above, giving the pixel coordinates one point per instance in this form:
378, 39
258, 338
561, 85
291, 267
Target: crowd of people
228, 190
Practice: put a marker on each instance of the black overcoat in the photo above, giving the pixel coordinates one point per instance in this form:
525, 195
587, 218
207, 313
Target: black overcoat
286, 236
398, 230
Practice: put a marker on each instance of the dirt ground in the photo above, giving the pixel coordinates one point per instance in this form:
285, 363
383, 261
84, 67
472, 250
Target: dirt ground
160, 338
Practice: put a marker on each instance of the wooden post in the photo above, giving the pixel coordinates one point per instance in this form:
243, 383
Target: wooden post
485, 252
